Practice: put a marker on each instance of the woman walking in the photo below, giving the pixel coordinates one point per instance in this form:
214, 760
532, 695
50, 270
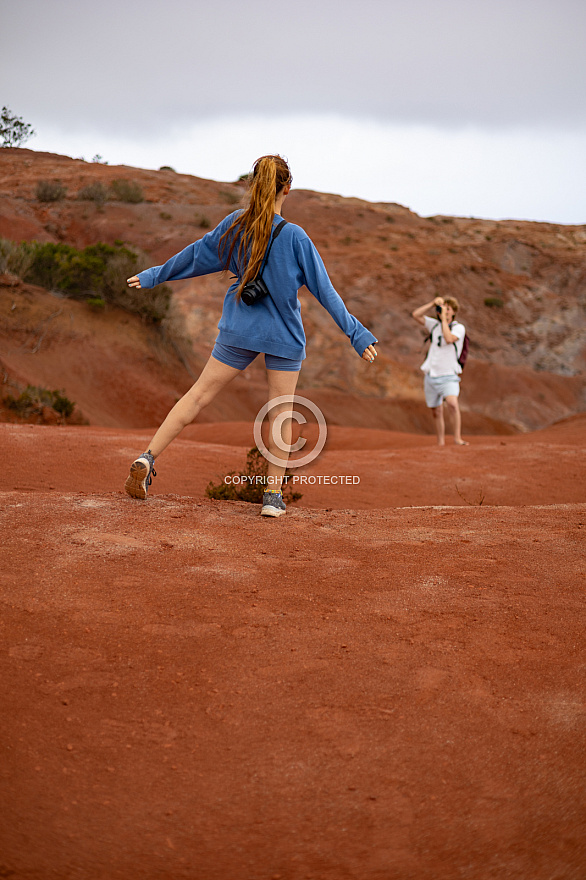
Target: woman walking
252, 243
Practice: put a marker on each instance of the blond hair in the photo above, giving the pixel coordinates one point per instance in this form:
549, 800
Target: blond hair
252, 229
453, 302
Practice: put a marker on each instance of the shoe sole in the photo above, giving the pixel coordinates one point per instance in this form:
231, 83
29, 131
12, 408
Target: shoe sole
135, 485
272, 511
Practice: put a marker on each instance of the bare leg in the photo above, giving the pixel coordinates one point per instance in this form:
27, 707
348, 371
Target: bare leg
214, 376
280, 382
440, 426
454, 408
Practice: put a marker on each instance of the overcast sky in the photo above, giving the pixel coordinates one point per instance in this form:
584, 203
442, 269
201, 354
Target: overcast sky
462, 107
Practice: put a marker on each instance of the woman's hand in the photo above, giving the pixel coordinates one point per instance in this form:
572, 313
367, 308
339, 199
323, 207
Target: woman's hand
369, 354
134, 282
438, 301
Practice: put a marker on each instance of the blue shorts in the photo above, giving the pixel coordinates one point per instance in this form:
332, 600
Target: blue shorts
437, 388
240, 358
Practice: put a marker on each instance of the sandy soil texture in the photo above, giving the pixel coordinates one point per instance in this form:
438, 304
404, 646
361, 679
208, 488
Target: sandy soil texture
385, 684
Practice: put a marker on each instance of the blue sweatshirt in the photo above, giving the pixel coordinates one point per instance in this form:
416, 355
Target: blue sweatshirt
273, 325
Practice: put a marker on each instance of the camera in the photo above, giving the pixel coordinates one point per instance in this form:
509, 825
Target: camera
438, 311
254, 292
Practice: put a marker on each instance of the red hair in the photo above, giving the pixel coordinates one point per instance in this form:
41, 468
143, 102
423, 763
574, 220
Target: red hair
252, 229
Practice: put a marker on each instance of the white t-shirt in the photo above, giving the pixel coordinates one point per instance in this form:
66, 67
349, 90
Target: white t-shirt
442, 359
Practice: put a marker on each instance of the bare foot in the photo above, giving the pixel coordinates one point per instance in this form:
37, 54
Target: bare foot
461, 443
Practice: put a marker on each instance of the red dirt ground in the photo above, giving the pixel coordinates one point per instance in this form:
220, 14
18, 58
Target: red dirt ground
385, 684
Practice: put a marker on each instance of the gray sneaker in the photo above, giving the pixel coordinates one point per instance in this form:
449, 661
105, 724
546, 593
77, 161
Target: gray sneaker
141, 476
273, 504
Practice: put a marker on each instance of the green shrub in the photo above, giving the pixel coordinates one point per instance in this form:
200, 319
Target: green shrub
164, 215
93, 192
167, 168
96, 303
62, 404
50, 191
252, 490
494, 302
33, 400
127, 191
96, 273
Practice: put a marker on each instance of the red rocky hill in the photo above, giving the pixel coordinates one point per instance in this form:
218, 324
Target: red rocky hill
521, 286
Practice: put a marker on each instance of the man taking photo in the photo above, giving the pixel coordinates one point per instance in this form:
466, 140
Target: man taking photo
441, 366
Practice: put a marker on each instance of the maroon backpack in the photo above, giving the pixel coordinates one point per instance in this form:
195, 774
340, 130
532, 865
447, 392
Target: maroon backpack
464, 353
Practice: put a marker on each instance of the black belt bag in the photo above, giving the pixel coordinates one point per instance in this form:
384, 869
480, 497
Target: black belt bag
256, 290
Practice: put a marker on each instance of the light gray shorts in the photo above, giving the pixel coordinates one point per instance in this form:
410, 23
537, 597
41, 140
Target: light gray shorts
437, 388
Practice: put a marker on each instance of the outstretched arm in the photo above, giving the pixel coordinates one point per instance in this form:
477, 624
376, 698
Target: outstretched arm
200, 258
318, 282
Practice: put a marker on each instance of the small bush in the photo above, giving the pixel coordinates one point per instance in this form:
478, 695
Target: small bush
33, 400
50, 191
494, 302
127, 191
14, 258
202, 221
96, 303
252, 490
164, 215
93, 192
167, 168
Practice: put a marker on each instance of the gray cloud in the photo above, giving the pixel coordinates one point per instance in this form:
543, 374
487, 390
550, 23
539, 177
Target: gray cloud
145, 66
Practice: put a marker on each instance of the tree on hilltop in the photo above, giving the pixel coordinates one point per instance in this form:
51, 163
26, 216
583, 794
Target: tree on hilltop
14, 131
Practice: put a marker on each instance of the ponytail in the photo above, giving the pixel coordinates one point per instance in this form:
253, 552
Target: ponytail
252, 229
